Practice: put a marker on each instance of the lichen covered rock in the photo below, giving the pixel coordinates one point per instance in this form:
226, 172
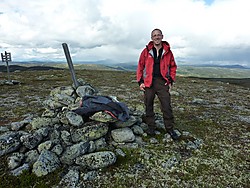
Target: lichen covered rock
96, 160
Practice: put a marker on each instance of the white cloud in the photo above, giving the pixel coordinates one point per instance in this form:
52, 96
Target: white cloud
119, 30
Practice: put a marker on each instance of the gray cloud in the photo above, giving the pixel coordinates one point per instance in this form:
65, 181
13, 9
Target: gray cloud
119, 30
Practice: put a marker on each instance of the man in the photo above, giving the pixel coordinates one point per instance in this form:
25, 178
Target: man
155, 74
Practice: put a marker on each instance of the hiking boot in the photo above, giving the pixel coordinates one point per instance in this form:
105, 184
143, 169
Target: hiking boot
173, 134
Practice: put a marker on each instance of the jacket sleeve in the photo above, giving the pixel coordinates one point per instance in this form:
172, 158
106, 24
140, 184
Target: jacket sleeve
172, 69
140, 68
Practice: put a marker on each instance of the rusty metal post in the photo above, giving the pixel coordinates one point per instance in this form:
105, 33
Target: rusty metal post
6, 58
70, 64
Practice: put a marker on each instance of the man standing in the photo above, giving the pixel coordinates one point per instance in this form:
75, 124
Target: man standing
155, 74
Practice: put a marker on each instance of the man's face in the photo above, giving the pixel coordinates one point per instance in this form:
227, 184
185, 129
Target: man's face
156, 37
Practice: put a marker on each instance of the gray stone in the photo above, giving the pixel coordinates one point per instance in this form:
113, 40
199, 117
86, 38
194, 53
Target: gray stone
15, 160
103, 117
31, 157
40, 122
66, 137
92, 146
60, 97
89, 176
137, 130
18, 171
85, 90
15, 126
31, 141
62, 117
51, 104
130, 145
3, 129
194, 145
144, 126
153, 141
96, 160
57, 149
46, 163
55, 134
66, 90
167, 138
43, 131
49, 113
74, 119
47, 145
63, 99
131, 121
9, 142
92, 131
190, 145
198, 142
100, 144
139, 141
70, 180
171, 162
123, 135
119, 152
74, 151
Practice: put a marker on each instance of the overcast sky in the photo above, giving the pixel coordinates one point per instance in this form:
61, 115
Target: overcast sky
199, 31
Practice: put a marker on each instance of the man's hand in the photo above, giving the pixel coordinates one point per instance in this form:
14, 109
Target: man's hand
142, 87
169, 85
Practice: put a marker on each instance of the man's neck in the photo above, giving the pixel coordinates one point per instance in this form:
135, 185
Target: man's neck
158, 46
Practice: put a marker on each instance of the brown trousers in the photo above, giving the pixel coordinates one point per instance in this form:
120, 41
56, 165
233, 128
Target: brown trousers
162, 91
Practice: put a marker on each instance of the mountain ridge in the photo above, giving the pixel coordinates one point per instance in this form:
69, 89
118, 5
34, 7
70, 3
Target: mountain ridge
126, 65
205, 71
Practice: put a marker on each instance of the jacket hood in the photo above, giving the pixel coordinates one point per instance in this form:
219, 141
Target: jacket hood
165, 44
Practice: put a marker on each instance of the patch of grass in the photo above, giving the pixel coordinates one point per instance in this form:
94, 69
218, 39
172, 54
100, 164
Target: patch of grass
131, 158
27, 178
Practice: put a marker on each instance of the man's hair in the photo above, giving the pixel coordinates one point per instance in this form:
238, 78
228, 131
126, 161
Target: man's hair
156, 29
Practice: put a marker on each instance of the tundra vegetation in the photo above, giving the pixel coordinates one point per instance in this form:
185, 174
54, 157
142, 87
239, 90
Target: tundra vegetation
216, 112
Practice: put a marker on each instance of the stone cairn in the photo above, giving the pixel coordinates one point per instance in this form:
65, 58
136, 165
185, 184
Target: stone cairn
61, 138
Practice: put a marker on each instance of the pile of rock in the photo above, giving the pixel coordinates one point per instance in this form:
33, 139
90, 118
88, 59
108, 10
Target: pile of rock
60, 137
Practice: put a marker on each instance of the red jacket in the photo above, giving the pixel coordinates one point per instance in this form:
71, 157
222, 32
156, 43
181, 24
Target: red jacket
146, 63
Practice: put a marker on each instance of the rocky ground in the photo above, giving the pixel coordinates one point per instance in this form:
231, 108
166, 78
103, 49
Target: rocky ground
216, 114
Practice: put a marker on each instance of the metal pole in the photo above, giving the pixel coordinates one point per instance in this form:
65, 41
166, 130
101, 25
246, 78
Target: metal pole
7, 63
70, 64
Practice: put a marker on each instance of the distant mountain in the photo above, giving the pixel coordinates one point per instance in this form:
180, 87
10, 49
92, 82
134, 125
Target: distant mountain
124, 66
99, 62
13, 68
130, 66
200, 70
235, 66
32, 62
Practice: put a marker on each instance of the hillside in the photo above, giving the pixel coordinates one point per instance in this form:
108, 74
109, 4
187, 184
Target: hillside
13, 68
233, 74
204, 71
213, 112
213, 72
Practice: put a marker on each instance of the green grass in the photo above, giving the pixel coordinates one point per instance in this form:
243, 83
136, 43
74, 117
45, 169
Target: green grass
222, 161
